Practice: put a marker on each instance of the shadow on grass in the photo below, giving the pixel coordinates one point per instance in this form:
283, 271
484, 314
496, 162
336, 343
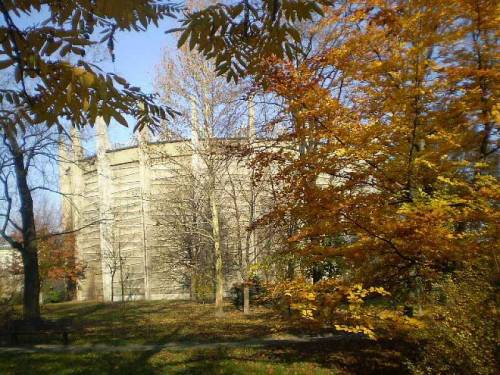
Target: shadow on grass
162, 323
345, 356
349, 356
72, 310
88, 363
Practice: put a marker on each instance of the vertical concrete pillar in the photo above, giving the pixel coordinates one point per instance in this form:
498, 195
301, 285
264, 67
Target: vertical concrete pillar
76, 176
65, 185
105, 185
77, 183
145, 197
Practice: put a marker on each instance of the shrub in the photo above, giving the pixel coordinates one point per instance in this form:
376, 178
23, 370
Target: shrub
203, 287
54, 296
333, 303
460, 337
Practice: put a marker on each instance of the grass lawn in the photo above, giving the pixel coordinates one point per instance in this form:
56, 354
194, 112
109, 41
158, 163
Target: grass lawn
153, 322
213, 361
165, 322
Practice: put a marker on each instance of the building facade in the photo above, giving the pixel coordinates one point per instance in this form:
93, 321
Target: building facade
11, 282
143, 221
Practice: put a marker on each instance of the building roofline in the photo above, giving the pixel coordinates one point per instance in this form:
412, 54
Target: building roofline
124, 148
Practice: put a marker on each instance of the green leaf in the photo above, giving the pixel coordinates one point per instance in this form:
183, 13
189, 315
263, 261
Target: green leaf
294, 34
317, 8
75, 19
183, 38
64, 51
78, 51
106, 115
122, 81
6, 63
119, 118
51, 47
192, 42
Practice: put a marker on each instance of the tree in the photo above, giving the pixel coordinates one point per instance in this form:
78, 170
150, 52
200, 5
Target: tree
239, 36
57, 261
48, 61
211, 111
389, 153
393, 142
32, 152
390, 131
115, 260
249, 196
54, 82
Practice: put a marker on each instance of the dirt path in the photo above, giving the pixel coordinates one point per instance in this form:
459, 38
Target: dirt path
174, 346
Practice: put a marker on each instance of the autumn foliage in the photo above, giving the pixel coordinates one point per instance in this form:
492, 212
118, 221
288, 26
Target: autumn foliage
395, 126
56, 260
341, 305
388, 161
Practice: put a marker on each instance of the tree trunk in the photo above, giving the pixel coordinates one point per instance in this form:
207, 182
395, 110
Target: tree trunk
317, 274
192, 287
122, 279
122, 285
70, 287
246, 298
29, 250
31, 301
219, 273
112, 288
250, 243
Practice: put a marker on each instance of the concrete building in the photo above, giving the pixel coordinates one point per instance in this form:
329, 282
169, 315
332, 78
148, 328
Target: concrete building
10, 260
7, 254
140, 215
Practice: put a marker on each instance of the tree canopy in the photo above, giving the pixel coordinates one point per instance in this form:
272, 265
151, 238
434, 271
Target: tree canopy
239, 36
55, 81
388, 163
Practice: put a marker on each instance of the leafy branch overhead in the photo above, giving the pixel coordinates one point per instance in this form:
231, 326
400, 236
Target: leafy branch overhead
48, 61
238, 37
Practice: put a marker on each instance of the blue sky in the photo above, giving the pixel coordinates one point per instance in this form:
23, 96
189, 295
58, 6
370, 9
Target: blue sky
137, 54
